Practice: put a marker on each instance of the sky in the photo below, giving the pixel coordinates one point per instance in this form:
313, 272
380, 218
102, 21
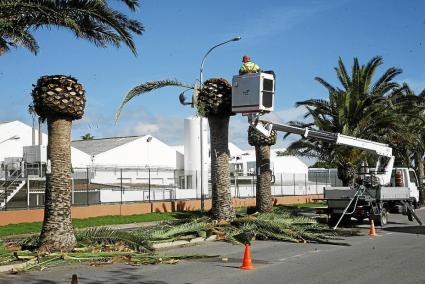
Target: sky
299, 40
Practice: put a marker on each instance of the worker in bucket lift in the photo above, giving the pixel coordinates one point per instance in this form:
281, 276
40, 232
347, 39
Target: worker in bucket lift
248, 66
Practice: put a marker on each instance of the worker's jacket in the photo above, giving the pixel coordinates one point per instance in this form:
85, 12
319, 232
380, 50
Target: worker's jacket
249, 67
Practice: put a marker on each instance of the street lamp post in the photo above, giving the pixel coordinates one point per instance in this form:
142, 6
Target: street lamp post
201, 128
14, 137
148, 140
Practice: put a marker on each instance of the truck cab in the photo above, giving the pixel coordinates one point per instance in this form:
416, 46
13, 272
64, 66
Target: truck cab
406, 177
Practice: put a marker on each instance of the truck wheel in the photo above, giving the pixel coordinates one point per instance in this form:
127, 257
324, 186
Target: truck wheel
416, 205
333, 219
382, 219
359, 219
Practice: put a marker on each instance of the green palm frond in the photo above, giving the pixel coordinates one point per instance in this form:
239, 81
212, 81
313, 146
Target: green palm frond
174, 230
148, 87
93, 20
132, 4
105, 235
362, 108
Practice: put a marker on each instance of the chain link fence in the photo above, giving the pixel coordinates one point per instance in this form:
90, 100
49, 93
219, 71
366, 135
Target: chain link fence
103, 185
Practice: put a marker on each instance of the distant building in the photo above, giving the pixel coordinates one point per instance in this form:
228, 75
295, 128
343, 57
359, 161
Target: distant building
138, 154
130, 151
15, 135
131, 160
244, 162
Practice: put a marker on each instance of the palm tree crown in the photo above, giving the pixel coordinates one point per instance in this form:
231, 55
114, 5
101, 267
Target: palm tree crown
93, 20
360, 108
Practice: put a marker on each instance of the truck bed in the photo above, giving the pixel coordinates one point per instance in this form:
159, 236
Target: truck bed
341, 195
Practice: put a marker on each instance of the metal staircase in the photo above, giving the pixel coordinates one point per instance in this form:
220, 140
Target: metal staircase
9, 188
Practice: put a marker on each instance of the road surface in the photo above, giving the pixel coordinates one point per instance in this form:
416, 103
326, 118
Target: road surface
396, 255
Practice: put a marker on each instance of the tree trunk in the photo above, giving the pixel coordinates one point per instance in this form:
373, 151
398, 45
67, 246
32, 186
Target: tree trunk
264, 175
420, 170
222, 208
346, 173
57, 233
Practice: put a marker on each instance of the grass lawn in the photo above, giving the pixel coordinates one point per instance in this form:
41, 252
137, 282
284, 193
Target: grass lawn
35, 227
28, 228
306, 205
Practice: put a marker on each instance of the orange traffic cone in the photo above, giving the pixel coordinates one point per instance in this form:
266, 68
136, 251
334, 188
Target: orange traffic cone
372, 231
247, 262
74, 279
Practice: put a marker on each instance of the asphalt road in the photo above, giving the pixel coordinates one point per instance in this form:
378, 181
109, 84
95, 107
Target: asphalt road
396, 255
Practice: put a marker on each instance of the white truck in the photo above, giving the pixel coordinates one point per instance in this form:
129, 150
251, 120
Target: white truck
376, 192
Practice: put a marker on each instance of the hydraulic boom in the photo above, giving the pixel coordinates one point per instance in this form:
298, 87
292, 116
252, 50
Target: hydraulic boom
382, 170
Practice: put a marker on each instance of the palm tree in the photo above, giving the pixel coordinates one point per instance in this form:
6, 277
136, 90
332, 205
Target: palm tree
411, 145
89, 19
87, 136
59, 99
360, 108
262, 145
213, 102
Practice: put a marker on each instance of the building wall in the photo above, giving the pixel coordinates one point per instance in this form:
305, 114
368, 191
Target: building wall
113, 175
279, 164
140, 153
13, 148
79, 159
36, 215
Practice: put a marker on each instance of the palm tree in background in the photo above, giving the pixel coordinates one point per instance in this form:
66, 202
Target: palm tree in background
262, 145
410, 147
87, 136
361, 108
213, 102
59, 99
93, 20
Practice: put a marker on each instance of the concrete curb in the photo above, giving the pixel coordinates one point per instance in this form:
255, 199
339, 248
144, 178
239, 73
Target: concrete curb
177, 244
12, 267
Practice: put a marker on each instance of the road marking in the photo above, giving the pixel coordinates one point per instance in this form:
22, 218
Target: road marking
298, 255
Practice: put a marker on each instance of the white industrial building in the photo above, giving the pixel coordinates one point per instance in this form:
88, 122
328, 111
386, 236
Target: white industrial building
137, 155
134, 162
130, 151
244, 162
16, 135
144, 152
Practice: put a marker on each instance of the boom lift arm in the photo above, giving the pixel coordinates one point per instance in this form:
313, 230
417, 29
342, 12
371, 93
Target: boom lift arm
383, 173
253, 96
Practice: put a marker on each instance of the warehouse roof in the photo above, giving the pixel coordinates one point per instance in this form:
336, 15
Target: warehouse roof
97, 146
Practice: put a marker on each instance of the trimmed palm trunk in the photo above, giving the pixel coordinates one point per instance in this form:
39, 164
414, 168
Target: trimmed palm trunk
346, 173
59, 99
222, 208
262, 143
214, 102
264, 176
57, 233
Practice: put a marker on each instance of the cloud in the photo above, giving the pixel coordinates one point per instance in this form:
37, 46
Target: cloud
142, 127
135, 121
286, 115
170, 129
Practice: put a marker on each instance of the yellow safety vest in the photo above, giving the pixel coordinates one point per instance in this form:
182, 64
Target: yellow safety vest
249, 67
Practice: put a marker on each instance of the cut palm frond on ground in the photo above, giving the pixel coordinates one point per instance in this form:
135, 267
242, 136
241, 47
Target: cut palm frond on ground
104, 235
280, 226
102, 245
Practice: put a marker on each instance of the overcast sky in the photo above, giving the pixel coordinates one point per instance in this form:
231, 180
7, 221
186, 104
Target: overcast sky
297, 39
